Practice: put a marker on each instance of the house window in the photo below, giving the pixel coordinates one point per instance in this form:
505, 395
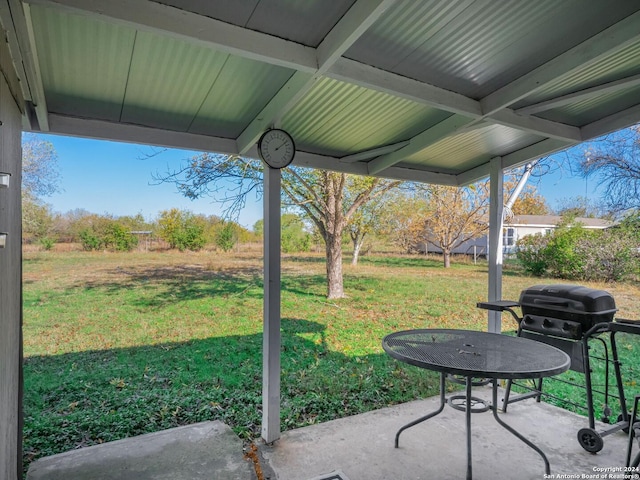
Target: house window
509, 237
547, 231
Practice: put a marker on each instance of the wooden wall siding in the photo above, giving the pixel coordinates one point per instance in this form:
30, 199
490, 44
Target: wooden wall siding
10, 289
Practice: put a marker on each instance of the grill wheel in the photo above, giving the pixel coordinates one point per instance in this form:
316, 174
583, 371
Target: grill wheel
590, 440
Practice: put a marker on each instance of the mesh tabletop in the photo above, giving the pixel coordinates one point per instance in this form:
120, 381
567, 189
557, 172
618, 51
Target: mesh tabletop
478, 354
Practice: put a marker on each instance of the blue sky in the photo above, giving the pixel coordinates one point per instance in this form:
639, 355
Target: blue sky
116, 178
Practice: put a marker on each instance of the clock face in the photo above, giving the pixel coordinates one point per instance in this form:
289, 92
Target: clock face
276, 148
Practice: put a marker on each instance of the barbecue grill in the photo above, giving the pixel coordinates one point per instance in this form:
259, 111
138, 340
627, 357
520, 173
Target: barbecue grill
569, 317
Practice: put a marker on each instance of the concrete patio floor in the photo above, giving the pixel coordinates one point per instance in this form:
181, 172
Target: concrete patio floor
361, 448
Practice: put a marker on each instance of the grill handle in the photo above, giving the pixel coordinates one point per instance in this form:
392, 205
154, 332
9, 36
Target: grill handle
551, 302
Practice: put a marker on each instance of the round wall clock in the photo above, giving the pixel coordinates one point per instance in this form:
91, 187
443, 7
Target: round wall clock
276, 148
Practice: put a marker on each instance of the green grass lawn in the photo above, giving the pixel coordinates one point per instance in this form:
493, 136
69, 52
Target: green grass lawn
119, 344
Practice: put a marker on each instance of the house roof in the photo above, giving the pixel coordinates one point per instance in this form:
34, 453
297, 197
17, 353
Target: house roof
551, 221
430, 91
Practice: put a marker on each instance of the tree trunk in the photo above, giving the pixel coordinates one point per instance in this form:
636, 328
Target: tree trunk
447, 258
358, 241
334, 266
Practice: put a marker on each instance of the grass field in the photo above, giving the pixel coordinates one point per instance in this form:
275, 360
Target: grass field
119, 344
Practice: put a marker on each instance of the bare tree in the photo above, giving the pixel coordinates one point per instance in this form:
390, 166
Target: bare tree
455, 215
40, 177
615, 162
403, 219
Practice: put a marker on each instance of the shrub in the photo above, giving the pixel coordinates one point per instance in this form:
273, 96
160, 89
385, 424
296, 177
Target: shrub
118, 237
90, 240
47, 243
574, 253
181, 229
610, 255
562, 256
107, 233
531, 252
294, 237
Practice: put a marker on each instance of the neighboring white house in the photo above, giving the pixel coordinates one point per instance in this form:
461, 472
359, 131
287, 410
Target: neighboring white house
522, 225
519, 226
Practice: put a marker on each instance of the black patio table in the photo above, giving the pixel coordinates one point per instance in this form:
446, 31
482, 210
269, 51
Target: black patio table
475, 355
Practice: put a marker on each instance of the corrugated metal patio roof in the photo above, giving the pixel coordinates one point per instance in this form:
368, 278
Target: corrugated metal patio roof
420, 90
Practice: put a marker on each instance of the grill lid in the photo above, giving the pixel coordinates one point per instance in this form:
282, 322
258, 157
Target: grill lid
586, 306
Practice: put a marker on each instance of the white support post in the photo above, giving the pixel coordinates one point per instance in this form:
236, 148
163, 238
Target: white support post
271, 327
10, 283
495, 241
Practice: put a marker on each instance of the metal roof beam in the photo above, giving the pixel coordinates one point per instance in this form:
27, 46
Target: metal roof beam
393, 84
421, 141
17, 23
533, 152
353, 24
587, 93
363, 75
321, 162
612, 39
280, 103
189, 26
126, 132
373, 153
617, 121
519, 157
538, 126
348, 29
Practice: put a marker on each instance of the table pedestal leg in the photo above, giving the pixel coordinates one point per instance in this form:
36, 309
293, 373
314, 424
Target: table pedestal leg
494, 407
469, 384
426, 417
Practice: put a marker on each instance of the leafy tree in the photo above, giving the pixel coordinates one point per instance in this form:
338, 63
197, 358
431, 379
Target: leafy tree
135, 222
367, 220
37, 218
105, 232
258, 228
615, 162
181, 229
320, 194
530, 202
226, 237
118, 237
294, 236
330, 200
